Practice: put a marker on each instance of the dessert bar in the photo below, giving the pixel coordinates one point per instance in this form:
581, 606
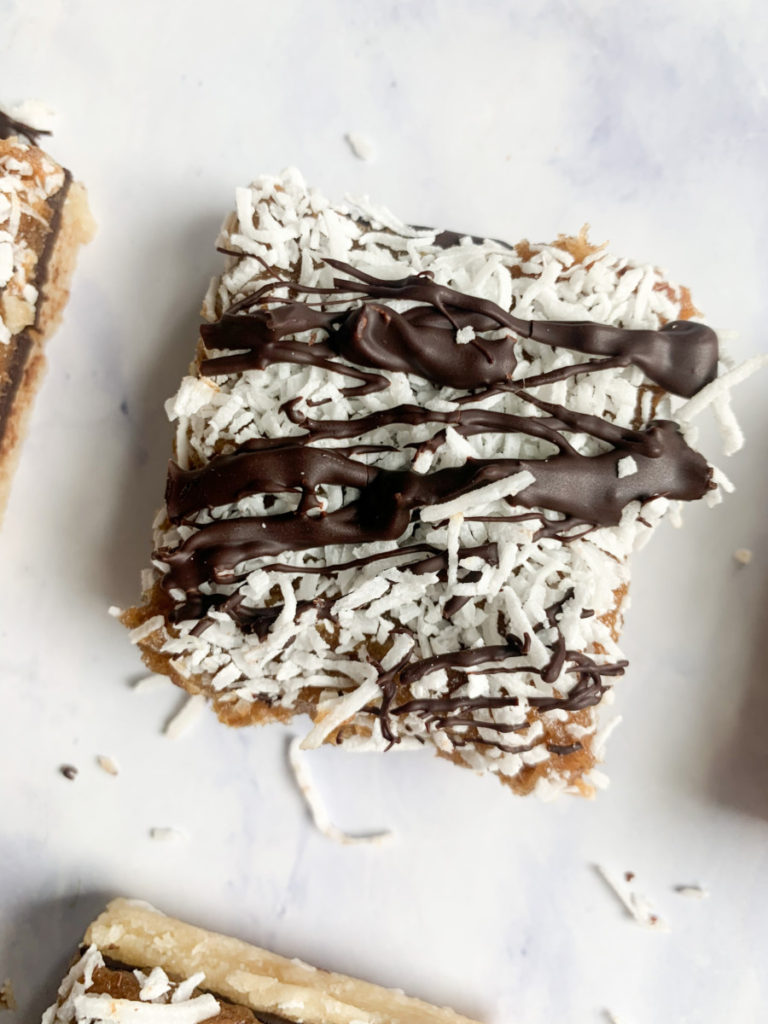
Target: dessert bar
136, 964
410, 469
44, 217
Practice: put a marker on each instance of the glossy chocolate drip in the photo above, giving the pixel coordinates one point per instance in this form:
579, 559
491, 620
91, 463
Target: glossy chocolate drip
681, 357
9, 127
229, 478
581, 487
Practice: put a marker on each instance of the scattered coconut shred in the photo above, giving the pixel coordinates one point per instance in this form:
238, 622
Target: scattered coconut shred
106, 764
637, 906
186, 718
167, 834
152, 682
360, 146
183, 720
693, 891
316, 807
743, 556
7, 996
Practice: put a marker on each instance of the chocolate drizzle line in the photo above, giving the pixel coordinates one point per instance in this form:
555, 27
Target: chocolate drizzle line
9, 127
581, 487
585, 491
681, 357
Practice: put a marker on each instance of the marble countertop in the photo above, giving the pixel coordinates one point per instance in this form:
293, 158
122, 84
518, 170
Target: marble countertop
648, 121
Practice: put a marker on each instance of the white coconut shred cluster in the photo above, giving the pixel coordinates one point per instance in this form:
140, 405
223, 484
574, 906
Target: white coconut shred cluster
161, 1000
384, 605
26, 184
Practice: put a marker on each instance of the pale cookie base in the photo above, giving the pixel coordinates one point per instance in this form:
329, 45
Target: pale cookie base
77, 227
137, 935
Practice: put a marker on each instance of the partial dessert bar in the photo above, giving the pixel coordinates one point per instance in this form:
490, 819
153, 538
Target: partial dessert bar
44, 217
410, 469
136, 964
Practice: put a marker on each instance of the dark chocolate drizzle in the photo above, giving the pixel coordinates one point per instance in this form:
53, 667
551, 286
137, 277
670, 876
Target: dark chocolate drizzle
9, 127
680, 357
581, 487
581, 492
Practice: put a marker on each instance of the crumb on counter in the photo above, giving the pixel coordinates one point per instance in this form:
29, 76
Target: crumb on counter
7, 996
106, 764
636, 905
315, 806
167, 834
693, 891
360, 146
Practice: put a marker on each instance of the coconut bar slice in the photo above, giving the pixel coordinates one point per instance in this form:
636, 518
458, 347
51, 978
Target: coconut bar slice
44, 217
136, 964
410, 468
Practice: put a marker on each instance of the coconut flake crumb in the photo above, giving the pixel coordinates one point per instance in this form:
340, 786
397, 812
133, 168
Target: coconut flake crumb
106, 764
465, 334
637, 906
7, 996
626, 467
743, 556
186, 718
693, 891
149, 683
146, 629
36, 114
361, 146
613, 1018
155, 985
167, 834
114, 611
315, 806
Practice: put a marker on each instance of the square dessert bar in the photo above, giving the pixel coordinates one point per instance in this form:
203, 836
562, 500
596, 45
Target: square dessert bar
136, 964
410, 468
44, 217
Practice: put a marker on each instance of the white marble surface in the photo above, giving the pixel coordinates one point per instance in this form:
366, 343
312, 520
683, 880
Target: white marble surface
647, 120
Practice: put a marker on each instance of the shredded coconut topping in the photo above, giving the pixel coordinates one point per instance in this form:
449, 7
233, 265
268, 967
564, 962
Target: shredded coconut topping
28, 180
160, 1000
